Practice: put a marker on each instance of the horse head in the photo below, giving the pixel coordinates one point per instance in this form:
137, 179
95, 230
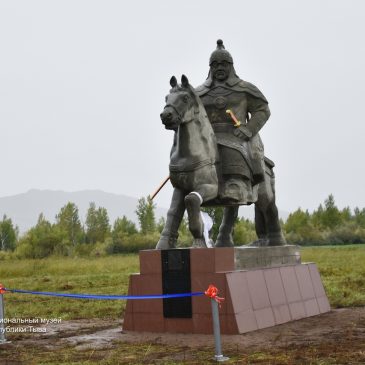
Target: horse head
179, 101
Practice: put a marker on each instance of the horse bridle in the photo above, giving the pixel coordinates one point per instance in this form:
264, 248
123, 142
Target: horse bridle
174, 108
179, 116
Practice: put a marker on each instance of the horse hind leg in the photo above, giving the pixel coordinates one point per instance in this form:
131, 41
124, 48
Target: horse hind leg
224, 238
260, 223
267, 222
274, 233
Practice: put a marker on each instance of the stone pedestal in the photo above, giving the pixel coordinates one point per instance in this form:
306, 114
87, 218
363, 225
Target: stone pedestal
255, 298
247, 257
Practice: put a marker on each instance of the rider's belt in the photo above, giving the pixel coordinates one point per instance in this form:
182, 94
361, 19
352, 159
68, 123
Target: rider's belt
223, 128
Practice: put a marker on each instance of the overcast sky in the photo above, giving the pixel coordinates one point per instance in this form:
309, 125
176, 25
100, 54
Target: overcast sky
82, 84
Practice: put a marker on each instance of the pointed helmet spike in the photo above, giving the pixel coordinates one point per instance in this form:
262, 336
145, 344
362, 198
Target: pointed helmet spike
220, 44
220, 54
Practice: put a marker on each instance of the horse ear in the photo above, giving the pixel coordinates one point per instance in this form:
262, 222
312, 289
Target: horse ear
173, 81
184, 81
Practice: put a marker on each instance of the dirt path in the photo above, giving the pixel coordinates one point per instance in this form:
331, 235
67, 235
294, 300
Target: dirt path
339, 330
339, 324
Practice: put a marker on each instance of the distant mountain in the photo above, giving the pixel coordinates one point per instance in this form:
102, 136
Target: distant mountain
25, 208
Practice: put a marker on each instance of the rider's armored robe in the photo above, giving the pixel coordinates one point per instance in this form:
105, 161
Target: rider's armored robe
241, 157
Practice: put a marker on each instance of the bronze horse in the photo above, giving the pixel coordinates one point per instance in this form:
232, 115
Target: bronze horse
194, 174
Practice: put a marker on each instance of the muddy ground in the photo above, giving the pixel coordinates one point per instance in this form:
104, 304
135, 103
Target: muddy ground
337, 337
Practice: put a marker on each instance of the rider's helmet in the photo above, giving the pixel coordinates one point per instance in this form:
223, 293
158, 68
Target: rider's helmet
220, 54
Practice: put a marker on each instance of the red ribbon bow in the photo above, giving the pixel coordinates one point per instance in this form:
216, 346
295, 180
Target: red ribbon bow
2, 289
212, 292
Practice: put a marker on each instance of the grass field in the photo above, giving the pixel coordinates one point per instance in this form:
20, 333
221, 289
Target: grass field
342, 269
106, 275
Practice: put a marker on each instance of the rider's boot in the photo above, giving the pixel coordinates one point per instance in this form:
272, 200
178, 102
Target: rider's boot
234, 189
193, 202
225, 238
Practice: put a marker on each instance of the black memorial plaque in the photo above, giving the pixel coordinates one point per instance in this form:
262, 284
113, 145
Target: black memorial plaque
175, 280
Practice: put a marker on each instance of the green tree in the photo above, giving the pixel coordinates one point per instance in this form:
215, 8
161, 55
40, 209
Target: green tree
123, 229
296, 221
8, 234
184, 226
161, 224
316, 217
146, 215
346, 215
300, 229
185, 237
331, 216
123, 226
97, 224
41, 240
69, 222
91, 223
359, 216
244, 231
103, 224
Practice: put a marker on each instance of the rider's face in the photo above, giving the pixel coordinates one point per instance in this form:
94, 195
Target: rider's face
220, 70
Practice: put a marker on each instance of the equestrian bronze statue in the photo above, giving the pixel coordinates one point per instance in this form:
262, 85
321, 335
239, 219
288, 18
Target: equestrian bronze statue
217, 157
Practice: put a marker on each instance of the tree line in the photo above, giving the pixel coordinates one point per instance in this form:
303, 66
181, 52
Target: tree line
69, 237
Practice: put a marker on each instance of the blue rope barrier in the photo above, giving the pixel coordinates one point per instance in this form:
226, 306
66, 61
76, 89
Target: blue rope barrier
105, 297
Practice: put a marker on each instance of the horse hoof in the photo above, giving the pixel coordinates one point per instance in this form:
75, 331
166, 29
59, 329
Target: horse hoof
224, 242
199, 243
261, 242
276, 239
166, 243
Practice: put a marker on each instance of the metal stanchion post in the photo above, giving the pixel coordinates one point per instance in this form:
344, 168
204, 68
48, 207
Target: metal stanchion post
217, 333
2, 320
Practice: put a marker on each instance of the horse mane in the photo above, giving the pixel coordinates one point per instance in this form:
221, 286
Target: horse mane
197, 101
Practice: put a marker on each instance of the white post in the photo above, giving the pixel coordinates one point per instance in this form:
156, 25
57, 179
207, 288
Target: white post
217, 333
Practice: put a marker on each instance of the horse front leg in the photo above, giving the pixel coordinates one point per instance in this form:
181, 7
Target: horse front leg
169, 234
193, 202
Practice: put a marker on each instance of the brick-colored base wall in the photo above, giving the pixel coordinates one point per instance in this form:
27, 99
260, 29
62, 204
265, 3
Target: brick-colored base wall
254, 299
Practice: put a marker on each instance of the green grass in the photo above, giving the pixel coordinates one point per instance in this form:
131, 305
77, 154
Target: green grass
342, 269
105, 275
